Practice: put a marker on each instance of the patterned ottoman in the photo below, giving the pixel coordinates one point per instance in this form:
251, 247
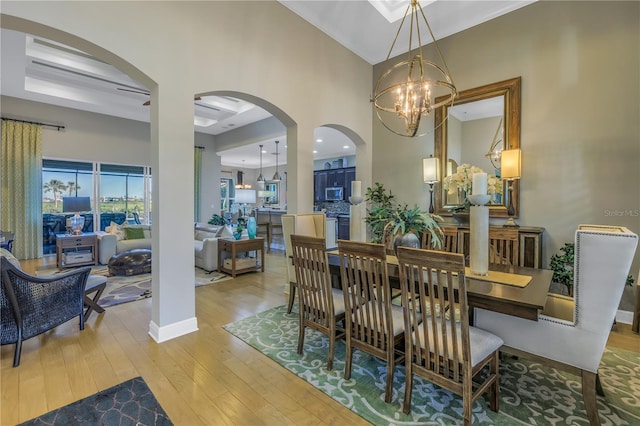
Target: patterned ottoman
130, 262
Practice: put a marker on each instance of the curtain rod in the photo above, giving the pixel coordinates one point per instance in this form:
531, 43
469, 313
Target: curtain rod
33, 122
199, 147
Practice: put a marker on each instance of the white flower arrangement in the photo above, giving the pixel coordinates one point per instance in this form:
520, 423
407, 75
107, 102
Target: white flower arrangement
463, 177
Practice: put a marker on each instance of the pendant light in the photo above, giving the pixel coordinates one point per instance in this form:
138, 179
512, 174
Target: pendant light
261, 178
276, 175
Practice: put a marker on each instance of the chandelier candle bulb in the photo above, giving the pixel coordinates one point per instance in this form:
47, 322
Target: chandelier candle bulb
479, 184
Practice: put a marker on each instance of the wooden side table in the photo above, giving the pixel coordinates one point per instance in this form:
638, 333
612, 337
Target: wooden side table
234, 247
76, 250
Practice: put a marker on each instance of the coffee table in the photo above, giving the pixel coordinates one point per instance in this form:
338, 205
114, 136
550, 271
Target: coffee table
234, 247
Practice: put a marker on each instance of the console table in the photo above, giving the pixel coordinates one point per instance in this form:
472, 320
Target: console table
76, 250
229, 245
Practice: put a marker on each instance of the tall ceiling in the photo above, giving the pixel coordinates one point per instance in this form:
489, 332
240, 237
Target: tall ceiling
44, 71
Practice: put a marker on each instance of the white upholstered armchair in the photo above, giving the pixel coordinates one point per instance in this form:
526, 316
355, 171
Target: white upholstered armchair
311, 224
571, 333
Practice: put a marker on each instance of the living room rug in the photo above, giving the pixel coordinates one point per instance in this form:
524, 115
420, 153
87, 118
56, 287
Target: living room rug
123, 288
129, 403
530, 393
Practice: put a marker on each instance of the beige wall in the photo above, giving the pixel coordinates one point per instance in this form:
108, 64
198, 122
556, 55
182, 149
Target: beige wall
579, 63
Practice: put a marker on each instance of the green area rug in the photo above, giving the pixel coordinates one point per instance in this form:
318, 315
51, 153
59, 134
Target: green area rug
129, 403
123, 288
530, 393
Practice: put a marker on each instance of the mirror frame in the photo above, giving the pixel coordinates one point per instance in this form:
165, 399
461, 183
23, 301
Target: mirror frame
510, 89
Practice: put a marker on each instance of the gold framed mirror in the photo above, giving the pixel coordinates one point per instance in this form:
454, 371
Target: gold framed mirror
481, 123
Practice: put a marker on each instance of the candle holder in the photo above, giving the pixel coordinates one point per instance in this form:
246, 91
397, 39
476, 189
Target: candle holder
355, 200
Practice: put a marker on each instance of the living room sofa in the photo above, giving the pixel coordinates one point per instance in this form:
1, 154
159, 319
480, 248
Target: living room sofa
205, 244
114, 241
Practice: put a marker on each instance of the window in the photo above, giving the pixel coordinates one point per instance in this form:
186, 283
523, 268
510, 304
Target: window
122, 193
118, 193
65, 179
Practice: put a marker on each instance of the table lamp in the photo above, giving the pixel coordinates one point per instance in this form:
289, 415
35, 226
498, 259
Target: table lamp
244, 197
76, 205
510, 169
430, 176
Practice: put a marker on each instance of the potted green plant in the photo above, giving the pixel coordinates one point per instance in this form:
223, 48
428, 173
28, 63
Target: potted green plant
216, 219
388, 220
562, 266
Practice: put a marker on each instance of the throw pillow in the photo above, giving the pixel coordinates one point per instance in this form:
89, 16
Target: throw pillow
10, 257
133, 233
117, 230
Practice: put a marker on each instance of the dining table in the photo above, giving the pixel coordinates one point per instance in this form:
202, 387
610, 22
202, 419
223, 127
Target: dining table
520, 292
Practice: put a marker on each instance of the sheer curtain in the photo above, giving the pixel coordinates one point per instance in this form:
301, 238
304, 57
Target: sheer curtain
22, 186
197, 166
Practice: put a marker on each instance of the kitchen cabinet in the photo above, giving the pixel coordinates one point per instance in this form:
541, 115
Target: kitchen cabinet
332, 178
319, 185
349, 176
343, 227
335, 178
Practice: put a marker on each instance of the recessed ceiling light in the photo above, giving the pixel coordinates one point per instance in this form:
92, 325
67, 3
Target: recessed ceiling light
346, 146
264, 151
315, 152
319, 140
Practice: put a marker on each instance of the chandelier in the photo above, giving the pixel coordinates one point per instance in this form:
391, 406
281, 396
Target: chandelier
412, 89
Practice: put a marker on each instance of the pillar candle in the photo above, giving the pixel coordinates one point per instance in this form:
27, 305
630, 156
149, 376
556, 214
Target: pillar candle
356, 188
479, 184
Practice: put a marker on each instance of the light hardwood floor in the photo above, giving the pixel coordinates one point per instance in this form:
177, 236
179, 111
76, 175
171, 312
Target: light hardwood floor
204, 378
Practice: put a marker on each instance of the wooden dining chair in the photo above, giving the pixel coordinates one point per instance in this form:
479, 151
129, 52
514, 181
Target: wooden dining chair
311, 224
321, 307
449, 240
372, 323
503, 247
448, 353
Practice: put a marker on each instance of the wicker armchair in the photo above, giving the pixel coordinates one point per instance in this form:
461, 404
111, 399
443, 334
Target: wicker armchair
32, 305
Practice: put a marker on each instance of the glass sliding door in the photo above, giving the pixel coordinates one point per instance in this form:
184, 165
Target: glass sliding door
63, 179
122, 194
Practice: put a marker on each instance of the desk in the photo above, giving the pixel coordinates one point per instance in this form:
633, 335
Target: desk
525, 302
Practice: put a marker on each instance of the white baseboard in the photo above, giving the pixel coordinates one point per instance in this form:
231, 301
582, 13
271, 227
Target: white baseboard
171, 331
624, 317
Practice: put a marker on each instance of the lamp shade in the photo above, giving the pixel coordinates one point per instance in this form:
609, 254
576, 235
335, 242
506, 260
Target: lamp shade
430, 169
245, 196
511, 164
76, 204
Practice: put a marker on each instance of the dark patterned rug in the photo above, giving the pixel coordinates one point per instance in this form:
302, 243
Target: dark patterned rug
123, 288
129, 403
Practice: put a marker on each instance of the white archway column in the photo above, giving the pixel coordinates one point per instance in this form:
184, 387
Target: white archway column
173, 277
300, 169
